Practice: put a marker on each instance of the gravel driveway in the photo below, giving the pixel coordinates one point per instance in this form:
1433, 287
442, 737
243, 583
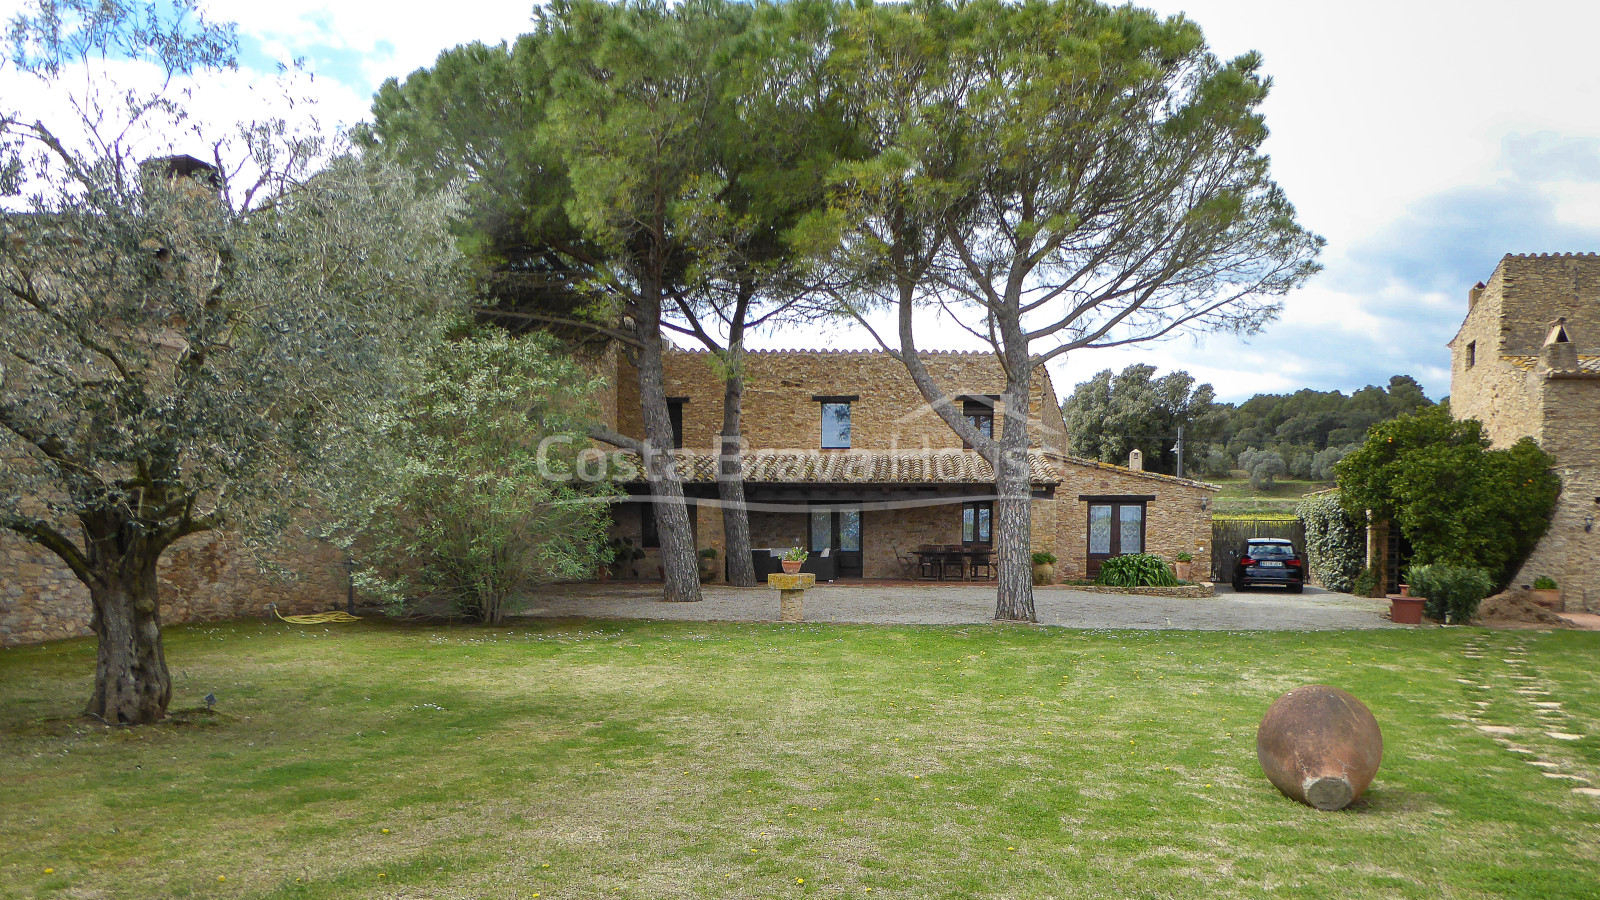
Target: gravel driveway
901, 604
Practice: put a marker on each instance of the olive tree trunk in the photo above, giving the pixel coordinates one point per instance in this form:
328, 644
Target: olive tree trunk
131, 683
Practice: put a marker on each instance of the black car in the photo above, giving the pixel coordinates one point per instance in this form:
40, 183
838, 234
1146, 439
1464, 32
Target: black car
1269, 561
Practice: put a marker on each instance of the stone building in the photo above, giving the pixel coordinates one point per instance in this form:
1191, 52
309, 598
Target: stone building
844, 455
1526, 363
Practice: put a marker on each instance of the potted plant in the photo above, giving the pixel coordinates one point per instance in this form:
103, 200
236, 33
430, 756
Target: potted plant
1044, 567
708, 563
1185, 560
792, 558
1546, 593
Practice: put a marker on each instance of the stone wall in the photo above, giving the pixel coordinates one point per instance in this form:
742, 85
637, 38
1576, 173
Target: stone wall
1508, 389
202, 578
779, 411
1570, 550
1174, 521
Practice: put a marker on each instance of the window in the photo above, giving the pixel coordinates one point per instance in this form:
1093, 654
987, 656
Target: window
979, 412
1472, 353
675, 413
836, 421
977, 521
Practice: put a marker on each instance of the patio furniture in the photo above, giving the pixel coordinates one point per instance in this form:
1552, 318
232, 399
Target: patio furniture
981, 557
908, 564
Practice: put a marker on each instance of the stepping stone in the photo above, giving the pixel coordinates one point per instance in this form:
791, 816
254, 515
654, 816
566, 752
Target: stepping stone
1543, 764
1565, 777
1496, 729
1587, 792
1464, 681
1530, 692
1546, 704
1520, 750
1564, 736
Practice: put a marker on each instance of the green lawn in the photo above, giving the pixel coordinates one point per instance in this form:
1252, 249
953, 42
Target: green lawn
585, 759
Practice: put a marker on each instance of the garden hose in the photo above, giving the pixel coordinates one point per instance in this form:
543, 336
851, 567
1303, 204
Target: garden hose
315, 618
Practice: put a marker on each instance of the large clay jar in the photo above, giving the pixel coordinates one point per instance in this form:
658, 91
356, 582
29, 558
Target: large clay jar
1320, 746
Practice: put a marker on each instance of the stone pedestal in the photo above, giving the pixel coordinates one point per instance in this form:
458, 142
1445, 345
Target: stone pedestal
791, 594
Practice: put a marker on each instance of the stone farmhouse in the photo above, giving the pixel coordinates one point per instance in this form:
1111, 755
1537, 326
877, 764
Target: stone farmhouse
1526, 363
844, 456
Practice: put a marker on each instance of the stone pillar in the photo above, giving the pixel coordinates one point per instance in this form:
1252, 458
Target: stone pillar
791, 594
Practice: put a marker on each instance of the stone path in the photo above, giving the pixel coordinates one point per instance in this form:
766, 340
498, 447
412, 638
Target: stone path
906, 603
1505, 685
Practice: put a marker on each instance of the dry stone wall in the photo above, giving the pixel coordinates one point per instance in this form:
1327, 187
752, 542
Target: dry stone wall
202, 578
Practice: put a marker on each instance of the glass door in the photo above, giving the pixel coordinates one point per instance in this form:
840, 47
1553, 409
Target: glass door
1114, 529
839, 531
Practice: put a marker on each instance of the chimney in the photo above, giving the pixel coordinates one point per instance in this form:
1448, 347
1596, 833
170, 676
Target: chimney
1136, 461
1473, 293
1559, 354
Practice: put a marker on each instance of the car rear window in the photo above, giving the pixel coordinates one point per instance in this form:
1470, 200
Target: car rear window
1271, 551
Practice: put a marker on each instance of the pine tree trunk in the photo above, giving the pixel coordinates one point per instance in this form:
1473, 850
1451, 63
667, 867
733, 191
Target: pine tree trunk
680, 564
1013, 508
131, 682
730, 480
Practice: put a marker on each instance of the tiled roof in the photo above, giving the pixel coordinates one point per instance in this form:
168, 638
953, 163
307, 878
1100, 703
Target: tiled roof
1527, 363
851, 467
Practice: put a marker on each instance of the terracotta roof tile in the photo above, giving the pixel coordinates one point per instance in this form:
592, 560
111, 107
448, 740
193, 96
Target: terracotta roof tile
853, 467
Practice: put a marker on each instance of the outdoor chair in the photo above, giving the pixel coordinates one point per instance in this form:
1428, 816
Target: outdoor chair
908, 565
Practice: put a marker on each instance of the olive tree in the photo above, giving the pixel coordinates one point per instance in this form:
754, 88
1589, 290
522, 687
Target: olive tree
184, 351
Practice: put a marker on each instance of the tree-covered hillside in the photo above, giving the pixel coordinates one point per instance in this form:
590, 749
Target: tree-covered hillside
1270, 435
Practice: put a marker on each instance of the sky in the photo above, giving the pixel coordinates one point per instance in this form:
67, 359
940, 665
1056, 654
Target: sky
1424, 139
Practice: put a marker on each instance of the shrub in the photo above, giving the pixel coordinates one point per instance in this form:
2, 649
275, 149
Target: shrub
1544, 583
1452, 592
1136, 570
1335, 541
484, 506
1184, 556
1364, 583
708, 553
1043, 558
796, 554
1455, 500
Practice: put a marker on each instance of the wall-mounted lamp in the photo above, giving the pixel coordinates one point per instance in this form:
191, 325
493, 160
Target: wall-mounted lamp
1588, 523
1205, 503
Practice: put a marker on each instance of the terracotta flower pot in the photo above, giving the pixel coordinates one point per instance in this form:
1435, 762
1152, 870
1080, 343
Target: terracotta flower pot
1044, 573
792, 566
1182, 570
1405, 610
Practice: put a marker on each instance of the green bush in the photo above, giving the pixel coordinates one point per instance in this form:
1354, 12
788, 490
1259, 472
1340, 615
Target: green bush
1136, 570
1452, 592
1336, 542
1455, 500
1365, 582
1544, 583
708, 553
1043, 558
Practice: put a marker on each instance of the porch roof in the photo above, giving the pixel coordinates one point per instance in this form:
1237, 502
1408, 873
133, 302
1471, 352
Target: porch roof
853, 467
